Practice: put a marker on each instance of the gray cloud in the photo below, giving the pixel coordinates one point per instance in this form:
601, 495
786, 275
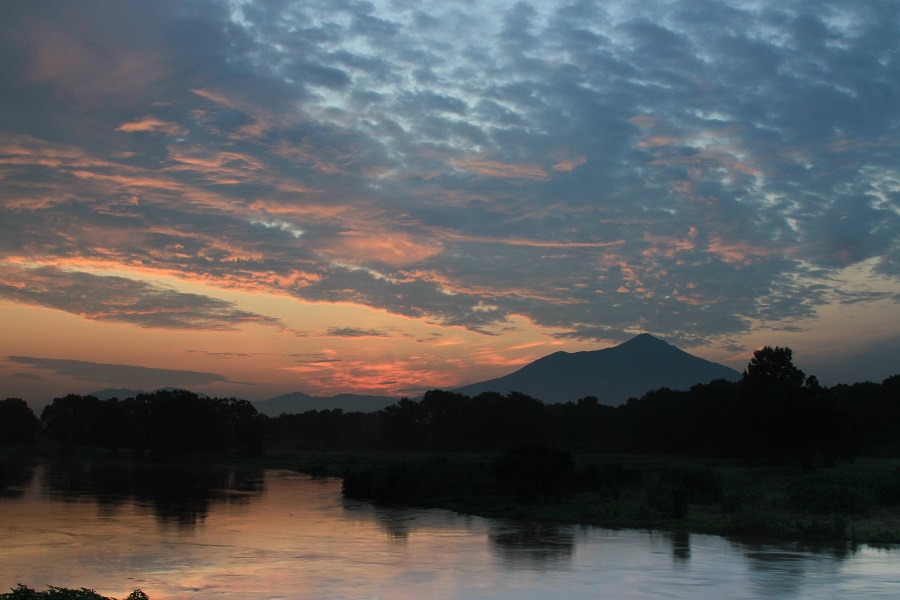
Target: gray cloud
116, 375
355, 332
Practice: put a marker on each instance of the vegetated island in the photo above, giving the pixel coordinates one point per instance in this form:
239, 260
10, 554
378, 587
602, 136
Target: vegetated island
774, 456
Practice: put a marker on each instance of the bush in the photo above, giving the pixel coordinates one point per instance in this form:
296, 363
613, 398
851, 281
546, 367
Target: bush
665, 498
831, 494
608, 480
535, 473
701, 483
418, 483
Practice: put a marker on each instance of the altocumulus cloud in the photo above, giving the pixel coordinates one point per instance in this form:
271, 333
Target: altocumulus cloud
690, 168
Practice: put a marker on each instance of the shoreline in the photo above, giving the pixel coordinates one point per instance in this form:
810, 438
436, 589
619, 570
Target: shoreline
852, 503
747, 504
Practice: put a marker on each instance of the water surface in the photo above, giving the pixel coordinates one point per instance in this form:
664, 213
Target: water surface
231, 533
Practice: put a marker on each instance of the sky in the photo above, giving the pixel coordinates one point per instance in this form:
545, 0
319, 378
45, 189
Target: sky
249, 198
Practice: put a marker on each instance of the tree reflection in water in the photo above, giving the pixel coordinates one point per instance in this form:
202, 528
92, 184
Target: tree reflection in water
538, 546
681, 547
178, 494
14, 476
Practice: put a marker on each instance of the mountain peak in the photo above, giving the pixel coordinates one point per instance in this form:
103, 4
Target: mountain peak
613, 375
643, 339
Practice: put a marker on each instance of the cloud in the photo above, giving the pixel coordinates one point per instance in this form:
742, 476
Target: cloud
687, 168
119, 375
354, 332
118, 299
151, 125
228, 355
490, 168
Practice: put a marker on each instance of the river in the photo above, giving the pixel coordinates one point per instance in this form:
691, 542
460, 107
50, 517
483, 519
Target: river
178, 532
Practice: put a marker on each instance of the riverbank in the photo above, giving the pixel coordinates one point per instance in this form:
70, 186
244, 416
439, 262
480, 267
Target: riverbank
856, 502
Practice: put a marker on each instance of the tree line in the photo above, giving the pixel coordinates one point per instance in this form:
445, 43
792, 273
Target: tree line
163, 423
773, 413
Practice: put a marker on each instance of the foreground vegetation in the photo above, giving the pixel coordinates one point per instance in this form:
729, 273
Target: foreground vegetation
22, 592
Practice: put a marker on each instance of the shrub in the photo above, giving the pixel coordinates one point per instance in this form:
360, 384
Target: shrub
830, 494
665, 497
535, 473
701, 483
609, 480
887, 488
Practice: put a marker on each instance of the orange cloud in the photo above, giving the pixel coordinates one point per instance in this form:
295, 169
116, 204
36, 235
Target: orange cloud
737, 252
152, 125
374, 375
644, 121
531, 243
215, 98
391, 248
669, 246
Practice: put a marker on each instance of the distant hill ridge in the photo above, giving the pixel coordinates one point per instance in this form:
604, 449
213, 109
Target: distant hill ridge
123, 393
293, 403
613, 375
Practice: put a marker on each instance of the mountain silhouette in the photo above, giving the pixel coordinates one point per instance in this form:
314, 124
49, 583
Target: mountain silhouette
123, 393
120, 393
298, 402
613, 375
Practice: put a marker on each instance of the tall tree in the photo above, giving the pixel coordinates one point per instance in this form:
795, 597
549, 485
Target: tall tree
789, 415
772, 369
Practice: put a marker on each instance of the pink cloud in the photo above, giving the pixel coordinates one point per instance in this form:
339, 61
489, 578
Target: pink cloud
500, 170
657, 141
569, 164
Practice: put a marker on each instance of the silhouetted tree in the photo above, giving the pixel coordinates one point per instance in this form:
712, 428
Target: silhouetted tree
772, 370
241, 428
788, 414
72, 419
402, 423
874, 411
17, 422
513, 419
447, 420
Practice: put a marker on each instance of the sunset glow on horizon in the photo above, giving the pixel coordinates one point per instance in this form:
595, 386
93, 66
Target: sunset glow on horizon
251, 198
